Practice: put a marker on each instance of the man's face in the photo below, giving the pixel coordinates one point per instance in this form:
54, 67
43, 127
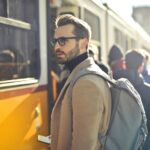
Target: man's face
67, 45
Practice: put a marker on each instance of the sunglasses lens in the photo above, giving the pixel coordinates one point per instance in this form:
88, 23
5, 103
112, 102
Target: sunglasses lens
61, 41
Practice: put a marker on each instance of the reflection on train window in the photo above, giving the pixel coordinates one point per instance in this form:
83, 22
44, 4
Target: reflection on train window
94, 23
19, 46
7, 60
18, 54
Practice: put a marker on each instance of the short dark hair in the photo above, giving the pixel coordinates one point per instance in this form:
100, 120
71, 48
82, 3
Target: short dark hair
82, 29
115, 54
133, 59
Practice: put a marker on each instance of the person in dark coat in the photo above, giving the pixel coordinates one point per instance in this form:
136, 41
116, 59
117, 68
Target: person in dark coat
134, 65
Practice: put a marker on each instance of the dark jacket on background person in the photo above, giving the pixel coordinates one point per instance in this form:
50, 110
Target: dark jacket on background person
144, 90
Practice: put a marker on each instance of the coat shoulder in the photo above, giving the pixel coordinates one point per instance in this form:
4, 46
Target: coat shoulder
93, 81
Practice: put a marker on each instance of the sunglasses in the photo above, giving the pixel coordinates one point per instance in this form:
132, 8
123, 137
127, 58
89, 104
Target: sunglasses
62, 40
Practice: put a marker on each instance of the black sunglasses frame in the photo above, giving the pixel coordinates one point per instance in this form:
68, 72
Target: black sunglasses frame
62, 40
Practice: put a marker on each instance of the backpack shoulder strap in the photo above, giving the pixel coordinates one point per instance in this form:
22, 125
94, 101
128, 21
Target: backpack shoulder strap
93, 69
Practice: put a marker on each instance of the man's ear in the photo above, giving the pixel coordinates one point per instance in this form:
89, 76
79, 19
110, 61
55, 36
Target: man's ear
84, 43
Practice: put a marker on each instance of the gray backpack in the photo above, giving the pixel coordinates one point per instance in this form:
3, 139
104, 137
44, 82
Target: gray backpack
127, 128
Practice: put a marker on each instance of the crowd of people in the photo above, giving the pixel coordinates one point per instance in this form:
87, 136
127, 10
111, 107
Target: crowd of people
132, 68
78, 116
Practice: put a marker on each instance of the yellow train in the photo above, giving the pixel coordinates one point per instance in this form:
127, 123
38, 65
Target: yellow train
24, 76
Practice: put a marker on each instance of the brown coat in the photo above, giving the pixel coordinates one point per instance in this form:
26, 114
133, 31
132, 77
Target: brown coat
77, 120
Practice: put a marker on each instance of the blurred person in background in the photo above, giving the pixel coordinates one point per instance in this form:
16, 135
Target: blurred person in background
116, 59
93, 52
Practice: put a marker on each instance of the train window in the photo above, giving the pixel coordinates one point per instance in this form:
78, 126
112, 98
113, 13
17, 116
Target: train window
116, 32
94, 22
3, 8
127, 44
19, 48
119, 38
133, 43
18, 9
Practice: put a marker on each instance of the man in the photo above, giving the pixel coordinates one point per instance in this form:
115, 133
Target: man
78, 118
134, 65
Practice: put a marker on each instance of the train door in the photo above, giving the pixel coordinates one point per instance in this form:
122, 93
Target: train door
23, 74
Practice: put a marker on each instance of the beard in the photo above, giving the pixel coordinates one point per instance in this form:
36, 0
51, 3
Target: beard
73, 53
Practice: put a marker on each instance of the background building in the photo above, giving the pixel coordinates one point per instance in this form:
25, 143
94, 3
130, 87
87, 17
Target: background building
141, 15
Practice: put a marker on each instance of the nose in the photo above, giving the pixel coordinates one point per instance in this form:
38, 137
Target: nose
56, 45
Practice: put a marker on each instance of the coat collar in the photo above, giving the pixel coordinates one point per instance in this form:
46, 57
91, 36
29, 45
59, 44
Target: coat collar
87, 62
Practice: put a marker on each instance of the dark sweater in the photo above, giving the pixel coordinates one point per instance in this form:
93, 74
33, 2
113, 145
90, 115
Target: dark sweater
74, 62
